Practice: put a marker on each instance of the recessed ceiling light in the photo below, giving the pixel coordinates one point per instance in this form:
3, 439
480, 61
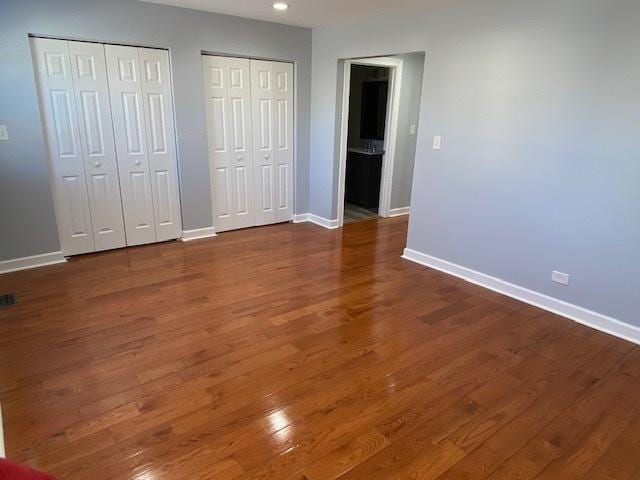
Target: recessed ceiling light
281, 6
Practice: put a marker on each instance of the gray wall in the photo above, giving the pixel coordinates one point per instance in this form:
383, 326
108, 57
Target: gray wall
408, 114
29, 226
538, 105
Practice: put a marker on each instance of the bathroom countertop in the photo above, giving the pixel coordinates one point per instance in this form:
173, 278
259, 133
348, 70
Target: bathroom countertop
365, 151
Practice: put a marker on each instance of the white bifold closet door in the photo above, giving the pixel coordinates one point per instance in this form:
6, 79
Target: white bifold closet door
72, 84
272, 106
250, 131
140, 92
108, 121
228, 96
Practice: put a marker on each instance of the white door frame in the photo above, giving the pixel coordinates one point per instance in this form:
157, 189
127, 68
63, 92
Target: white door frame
391, 130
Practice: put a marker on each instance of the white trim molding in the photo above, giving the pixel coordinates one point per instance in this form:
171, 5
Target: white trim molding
592, 319
396, 212
300, 218
2, 453
310, 217
198, 233
33, 261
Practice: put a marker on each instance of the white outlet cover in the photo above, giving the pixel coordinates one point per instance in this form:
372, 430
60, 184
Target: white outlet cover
412, 129
437, 140
559, 277
4, 133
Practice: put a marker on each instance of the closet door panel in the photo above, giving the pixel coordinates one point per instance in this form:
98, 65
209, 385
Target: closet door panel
228, 97
127, 104
96, 137
250, 131
263, 145
239, 128
243, 199
67, 171
222, 198
158, 114
283, 138
215, 84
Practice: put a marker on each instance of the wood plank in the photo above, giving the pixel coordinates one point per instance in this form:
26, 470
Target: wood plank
343, 459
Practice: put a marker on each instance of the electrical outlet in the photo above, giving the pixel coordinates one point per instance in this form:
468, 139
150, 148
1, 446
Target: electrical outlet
437, 140
4, 133
412, 129
559, 277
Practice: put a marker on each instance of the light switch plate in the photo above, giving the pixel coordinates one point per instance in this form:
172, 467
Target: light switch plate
4, 133
437, 140
412, 129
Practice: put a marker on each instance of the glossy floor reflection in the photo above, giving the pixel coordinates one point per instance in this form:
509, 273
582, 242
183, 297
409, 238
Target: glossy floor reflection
295, 352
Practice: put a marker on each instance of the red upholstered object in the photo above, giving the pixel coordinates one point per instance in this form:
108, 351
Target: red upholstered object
13, 471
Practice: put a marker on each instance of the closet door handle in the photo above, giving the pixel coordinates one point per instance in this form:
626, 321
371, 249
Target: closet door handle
266, 155
239, 158
137, 162
97, 164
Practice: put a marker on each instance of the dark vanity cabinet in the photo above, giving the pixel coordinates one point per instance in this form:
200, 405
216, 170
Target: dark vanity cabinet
362, 179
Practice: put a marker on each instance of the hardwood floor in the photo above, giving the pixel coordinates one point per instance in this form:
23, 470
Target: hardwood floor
295, 352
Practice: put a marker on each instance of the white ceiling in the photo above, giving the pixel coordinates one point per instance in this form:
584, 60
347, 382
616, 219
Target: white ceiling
304, 13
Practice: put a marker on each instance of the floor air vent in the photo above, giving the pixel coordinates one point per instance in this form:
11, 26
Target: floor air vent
7, 299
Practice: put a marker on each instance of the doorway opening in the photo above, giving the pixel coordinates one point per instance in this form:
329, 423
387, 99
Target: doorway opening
371, 94
377, 131
368, 99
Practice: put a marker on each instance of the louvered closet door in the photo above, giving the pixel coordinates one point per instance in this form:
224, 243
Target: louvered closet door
96, 137
283, 136
59, 112
228, 100
127, 104
158, 111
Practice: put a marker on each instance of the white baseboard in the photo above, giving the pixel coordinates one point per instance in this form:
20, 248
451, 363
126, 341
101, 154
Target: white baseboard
578, 314
2, 453
323, 222
33, 261
396, 212
300, 218
310, 217
198, 233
